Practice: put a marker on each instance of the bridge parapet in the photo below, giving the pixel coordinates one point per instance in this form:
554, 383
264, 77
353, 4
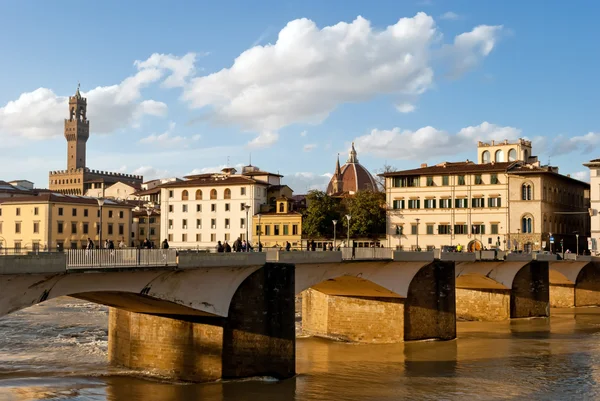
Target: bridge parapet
41, 263
300, 257
403, 256
193, 260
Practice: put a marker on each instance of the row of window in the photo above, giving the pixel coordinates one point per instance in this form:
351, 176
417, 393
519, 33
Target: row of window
60, 228
213, 237
213, 207
213, 223
278, 229
499, 156
459, 203
185, 195
446, 229
61, 212
415, 181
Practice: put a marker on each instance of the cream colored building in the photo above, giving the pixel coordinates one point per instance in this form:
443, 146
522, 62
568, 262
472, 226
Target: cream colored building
146, 227
207, 208
118, 190
515, 204
594, 166
55, 221
279, 226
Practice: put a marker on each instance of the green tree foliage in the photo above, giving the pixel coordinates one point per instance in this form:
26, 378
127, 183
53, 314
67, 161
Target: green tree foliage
367, 209
318, 216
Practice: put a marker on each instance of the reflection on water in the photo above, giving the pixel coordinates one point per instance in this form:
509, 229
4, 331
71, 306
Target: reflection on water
57, 351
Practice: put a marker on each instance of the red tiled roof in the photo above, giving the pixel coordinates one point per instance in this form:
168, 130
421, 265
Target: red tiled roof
206, 180
54, 197
354, 178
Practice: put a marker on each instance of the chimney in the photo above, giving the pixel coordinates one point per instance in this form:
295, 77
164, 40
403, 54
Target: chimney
423, 165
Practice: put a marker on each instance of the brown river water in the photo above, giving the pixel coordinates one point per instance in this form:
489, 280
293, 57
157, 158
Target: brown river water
57, 351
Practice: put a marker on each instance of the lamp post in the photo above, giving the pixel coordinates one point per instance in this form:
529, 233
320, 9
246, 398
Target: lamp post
247, 207
518, 238
149, 207
550, 242
577, 239
100, 204
334, 225
418, 220
259, 231
348, 217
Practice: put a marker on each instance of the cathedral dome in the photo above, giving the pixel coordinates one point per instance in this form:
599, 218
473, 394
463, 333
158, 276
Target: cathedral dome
351, 177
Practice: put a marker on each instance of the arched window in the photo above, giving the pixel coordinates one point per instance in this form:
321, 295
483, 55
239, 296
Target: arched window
526, 190
485, 157
185, 195
527, 225
281, 207
227, 194
213, 194
499, 156
198, 194
512, 155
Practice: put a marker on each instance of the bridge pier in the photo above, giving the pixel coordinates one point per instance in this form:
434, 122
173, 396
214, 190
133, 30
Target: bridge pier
334, 309
494, 291
257, 338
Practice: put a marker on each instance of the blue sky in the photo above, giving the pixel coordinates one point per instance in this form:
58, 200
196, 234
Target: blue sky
175, 88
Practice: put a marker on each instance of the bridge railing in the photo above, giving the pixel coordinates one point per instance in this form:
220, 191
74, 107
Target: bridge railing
376, 253
131, 257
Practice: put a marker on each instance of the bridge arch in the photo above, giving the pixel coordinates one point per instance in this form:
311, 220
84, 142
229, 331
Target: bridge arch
160, 291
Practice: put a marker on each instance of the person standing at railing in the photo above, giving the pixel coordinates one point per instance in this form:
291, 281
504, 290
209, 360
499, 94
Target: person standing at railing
165, 244
122, 244
227, 247
237, 245
260, 247
287, 246
220, 248
90, 244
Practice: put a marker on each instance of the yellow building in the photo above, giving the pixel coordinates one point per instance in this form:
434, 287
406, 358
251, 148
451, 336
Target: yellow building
275, 228
54, 221
145, 226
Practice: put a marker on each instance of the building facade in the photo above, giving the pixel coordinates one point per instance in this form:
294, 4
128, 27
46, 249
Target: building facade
594, 166
77, 179
277, 227
54, 222
207, 208
145, 227
517, 204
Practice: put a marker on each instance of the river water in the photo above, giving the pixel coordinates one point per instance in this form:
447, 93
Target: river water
57, 351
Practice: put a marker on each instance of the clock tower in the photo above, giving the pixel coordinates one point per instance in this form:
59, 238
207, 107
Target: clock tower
77, 131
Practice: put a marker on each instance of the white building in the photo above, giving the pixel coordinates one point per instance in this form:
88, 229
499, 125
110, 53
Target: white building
594, 166
118, 190
207, 208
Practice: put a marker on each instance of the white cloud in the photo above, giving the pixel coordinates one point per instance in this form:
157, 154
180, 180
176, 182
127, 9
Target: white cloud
405, 107
151, 173
303, 182
582, 175
470, 48
165, 139
304, 133
428, 141
40, 114
310, 147
309, 71
264, 140
587, 143
450, 15
180, 67
196, 137
207, 170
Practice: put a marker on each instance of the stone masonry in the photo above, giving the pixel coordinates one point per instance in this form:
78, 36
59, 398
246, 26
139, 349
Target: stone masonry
256, 339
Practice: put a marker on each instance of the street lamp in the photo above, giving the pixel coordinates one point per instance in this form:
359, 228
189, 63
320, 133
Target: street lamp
259, 231
247, 207
577, 238
149, 207
100, 204
348, 217
550, 241
334, 225
418, 234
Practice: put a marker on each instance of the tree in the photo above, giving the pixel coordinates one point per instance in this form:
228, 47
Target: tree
367, 209
381, 180
317, 220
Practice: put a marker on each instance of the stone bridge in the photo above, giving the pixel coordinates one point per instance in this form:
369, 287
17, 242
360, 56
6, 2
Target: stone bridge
210, 316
